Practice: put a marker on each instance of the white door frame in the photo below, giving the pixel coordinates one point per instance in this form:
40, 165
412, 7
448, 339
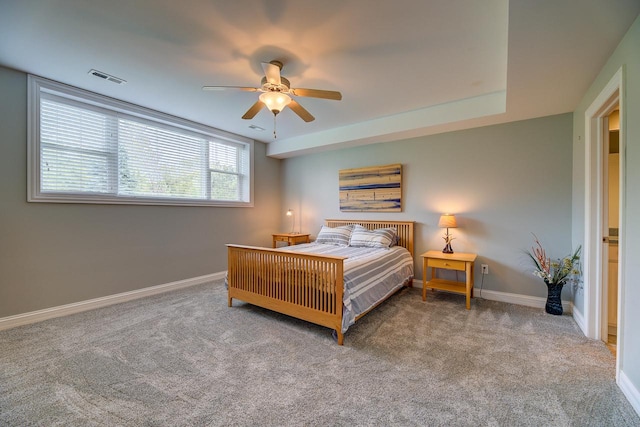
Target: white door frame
605, 102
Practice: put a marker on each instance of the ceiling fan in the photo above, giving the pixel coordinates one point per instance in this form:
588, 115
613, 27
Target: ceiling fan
276, 93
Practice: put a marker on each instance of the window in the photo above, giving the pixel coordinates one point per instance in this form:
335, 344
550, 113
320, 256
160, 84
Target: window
86, 148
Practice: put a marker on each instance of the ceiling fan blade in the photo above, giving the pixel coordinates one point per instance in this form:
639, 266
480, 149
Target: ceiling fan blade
317, 93
272, 72
301, 111
251, 112
246, 89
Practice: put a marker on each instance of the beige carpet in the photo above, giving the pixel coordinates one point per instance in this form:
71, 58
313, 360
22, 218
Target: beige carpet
185, 358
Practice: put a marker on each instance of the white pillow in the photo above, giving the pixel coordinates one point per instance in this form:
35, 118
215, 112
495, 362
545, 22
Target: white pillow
338, 236
379, 238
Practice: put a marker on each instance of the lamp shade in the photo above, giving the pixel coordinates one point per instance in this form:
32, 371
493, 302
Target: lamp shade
293, 224
447, 221
275, 101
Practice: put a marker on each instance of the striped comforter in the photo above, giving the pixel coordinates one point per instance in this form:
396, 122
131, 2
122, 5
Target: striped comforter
370, 274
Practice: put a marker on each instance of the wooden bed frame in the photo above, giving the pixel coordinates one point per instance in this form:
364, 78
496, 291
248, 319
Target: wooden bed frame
305, 286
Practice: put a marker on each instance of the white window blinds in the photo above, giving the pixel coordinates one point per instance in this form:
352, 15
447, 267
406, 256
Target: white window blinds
85, 151
77, 153
157, 162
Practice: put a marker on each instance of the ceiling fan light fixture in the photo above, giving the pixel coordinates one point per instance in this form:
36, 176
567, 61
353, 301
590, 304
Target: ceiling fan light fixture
275, 101
276, 93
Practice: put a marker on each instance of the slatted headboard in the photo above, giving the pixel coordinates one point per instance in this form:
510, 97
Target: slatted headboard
404, 228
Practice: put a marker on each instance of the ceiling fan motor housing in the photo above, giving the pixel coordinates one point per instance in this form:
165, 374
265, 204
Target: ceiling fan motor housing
284, 85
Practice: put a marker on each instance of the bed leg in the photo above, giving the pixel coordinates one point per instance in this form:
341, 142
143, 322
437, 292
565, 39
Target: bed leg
230, 301
340, 337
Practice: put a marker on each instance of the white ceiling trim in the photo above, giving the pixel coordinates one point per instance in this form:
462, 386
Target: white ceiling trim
400, 126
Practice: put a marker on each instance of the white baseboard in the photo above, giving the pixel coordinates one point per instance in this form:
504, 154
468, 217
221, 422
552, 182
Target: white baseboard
519, 299
510, 298
77, 307
630, 391
579, 318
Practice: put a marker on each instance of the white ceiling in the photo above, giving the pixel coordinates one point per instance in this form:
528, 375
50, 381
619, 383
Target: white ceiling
405, 68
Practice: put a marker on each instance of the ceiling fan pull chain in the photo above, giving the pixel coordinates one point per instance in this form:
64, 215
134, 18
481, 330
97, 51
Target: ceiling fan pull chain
274, 127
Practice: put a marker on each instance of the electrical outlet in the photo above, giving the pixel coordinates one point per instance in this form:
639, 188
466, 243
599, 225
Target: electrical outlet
485, 269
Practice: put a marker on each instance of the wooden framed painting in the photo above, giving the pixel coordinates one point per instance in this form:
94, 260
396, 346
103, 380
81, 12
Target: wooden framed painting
371, 189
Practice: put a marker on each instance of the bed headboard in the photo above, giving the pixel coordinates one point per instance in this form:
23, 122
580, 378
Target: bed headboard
405, 228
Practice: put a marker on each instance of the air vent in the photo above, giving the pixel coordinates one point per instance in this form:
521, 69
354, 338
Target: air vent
106, 76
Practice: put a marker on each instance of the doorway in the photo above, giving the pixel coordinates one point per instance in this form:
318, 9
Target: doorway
610, 228
597, 235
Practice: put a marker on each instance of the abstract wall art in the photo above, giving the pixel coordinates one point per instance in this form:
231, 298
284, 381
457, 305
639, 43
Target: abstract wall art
371, 189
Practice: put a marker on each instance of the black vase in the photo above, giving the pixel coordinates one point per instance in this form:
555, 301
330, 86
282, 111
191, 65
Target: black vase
554, 301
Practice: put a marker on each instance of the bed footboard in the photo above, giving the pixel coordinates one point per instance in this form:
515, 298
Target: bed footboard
306, 286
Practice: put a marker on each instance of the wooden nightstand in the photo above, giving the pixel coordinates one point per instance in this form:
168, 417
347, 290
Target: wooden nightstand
290, 238
455, 261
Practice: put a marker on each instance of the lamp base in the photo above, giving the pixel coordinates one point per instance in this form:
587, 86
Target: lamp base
447, 249
447, 239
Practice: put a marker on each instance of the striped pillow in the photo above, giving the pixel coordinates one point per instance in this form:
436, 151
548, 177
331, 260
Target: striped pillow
338, 236
379, 238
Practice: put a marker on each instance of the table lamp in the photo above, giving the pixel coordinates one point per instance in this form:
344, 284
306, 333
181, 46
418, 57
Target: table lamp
447, 221
290, 214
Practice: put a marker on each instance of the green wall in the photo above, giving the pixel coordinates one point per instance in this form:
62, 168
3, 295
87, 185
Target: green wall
503, 182
627, 56
55, 254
